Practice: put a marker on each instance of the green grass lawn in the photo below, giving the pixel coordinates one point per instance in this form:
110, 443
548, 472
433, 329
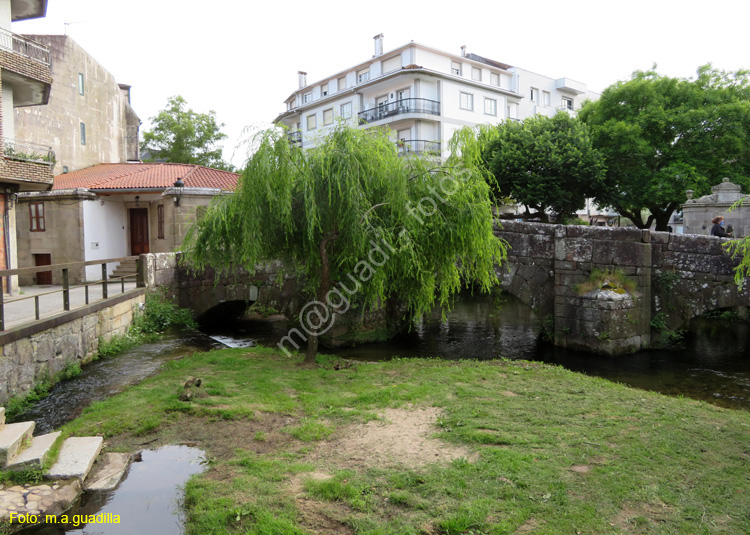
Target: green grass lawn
530, 448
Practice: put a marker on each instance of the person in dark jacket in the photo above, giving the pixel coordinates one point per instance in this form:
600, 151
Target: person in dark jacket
718, 228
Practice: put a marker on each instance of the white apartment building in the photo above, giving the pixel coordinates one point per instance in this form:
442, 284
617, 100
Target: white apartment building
424, 95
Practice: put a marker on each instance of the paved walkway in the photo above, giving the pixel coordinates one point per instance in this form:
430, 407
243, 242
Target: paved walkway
20, 309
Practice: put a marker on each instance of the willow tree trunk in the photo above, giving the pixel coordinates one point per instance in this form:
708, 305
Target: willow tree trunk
325, 286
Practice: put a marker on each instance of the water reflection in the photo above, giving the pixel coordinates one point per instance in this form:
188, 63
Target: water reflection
147, 502
713, 365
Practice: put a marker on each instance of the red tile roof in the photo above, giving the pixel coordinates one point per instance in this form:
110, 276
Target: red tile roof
146, 176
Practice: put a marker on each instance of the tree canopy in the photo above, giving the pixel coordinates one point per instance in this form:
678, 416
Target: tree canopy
544, 163
661, 136
180, 135
358, 220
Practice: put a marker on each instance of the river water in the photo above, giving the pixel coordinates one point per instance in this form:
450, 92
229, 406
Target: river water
712, 363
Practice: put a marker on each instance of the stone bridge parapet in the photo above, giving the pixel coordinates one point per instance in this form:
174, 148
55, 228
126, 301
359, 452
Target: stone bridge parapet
675, 278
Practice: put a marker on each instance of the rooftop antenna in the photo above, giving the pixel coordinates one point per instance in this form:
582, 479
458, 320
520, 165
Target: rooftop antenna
66, 24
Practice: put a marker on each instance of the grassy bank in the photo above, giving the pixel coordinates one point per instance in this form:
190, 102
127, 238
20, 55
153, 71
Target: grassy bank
427, 446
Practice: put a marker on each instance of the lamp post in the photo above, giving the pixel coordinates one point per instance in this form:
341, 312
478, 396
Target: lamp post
178, 185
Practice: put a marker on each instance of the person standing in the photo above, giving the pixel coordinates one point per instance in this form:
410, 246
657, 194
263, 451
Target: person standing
718, 228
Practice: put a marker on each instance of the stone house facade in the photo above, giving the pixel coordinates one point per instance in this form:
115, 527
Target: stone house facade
698, 213
113, 211
88, 119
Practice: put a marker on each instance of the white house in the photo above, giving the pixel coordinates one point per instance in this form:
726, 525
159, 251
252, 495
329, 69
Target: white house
424, 95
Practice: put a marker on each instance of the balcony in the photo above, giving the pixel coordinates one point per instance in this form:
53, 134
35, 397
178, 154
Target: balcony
398, 107
28, 152
570, 86
418, 146
25, 47
295, 138
569, 109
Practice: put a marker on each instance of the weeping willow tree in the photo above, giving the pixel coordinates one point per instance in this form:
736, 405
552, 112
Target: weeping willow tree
358, 220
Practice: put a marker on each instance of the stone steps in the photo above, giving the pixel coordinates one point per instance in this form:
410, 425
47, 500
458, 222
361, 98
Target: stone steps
36, 454
76, 458
20, 450
125, 269
12, 438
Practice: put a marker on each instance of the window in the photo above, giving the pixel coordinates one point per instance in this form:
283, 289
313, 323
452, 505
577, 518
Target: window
346, 110
83, 133
494, 78
324, 90
490, 106
160, 221
455, 68
363, 75
328, 116
342, 83
36, 217
80, 83
307, 97
476, 74
534, 94
567, 103
546, 98
312, 122
467, 101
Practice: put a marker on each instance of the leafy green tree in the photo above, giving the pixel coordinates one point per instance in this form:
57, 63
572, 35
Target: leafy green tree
180, 135
544, 163
661, 136
360, 222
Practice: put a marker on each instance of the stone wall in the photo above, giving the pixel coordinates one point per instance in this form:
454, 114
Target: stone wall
31, 354
677, 277
102, 108
693, 275
62, 238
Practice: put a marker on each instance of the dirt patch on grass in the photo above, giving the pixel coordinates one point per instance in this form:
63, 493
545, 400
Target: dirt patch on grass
401, 437
640, 518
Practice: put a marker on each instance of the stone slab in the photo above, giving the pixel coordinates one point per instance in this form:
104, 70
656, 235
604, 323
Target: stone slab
108, 471
2, 416
77, 455
12, 437
36, 454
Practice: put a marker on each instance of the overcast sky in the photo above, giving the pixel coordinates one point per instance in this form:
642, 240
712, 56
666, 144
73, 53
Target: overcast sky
240, 58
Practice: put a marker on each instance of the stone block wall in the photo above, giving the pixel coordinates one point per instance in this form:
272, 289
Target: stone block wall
546, 263
27, 358
602, 321
693, 274
62, 238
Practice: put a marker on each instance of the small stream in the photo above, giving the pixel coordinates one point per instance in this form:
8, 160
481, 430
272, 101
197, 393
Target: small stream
713, 363
147, 501
106, 377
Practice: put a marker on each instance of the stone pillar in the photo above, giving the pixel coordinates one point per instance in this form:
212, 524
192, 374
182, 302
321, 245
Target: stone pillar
598, 319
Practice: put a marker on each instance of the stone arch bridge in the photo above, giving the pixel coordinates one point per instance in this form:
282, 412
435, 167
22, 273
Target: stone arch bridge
677, 277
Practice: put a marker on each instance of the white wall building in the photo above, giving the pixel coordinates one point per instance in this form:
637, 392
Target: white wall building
424, 95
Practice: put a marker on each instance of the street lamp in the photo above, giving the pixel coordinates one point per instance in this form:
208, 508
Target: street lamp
179, 185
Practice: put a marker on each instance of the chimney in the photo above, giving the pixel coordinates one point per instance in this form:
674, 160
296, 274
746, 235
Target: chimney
302, 79
378, 45
463, 51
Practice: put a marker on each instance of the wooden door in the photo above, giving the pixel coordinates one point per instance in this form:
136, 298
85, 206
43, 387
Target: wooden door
43, 277
138, 231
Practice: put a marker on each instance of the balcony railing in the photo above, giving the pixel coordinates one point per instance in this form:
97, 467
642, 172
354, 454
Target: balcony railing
28, 152
406, 105
418, 146
295, 138
566, 108
27, 47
